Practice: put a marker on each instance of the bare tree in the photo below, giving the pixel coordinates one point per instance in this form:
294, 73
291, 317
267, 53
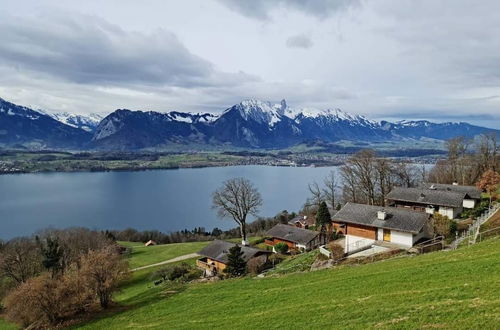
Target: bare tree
236, 199
316, 195
20, 260
330, 190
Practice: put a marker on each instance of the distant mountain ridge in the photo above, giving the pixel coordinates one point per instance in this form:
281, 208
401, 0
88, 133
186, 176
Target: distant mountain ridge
248, 124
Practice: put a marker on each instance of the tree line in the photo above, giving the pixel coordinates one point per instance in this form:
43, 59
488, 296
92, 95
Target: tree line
57, 275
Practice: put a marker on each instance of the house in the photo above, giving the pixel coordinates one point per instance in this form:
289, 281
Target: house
445, 202
303, 221
296, 238
149, 243
470, 201
363, 225
214, 256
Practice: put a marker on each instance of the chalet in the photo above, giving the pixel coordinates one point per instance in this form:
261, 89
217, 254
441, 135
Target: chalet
296, 238
365, 224
448, 203
303, 221
214, 256
470, 201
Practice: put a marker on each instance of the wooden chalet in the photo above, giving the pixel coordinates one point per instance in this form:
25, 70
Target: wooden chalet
296, 238
214, 256
363, 225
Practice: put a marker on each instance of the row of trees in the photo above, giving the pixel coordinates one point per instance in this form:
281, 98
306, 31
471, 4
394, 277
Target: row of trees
58, 275
467, 160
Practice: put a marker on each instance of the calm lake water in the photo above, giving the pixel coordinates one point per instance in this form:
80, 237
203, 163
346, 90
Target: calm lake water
166, 200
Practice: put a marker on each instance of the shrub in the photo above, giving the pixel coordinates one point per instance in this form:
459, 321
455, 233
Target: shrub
337, 251
44, 300
453, 227
256, 265
281, 248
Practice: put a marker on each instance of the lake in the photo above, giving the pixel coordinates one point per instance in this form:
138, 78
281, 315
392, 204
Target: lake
166, 200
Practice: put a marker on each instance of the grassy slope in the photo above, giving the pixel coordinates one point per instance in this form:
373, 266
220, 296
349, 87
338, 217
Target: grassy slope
148, 255
442, 289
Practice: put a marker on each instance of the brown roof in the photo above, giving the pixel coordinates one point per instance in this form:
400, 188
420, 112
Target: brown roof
292, 233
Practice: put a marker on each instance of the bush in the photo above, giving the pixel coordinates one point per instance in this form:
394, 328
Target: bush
256, 265
44, 300
337, 251
172, 273
281, 248
453, 227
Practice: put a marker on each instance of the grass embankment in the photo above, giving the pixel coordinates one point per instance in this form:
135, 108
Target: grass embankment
456, 289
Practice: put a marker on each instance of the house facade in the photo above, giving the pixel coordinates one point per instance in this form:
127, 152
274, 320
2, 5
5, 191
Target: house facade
472, 198
445, 202
296, 238
214, 259
363, 225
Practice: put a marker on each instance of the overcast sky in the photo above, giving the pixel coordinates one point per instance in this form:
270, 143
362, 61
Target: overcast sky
436, 60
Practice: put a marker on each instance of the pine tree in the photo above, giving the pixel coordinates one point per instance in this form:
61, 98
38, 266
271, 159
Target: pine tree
323, 217
236, 265
52, 255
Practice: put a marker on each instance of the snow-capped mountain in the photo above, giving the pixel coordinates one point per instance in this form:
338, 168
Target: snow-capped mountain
249, 124
86, 122
23, 126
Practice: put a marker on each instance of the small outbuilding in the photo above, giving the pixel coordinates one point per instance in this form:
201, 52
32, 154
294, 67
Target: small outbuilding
149, 243
296, 238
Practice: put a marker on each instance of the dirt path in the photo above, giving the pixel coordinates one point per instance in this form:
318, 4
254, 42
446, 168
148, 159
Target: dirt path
169, 261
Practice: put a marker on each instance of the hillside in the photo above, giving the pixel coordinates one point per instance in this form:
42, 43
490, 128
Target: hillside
440, 289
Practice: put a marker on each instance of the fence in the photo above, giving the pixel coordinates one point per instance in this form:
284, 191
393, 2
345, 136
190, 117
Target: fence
472, 232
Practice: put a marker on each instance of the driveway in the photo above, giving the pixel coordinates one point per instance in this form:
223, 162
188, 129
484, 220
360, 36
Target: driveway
169, 261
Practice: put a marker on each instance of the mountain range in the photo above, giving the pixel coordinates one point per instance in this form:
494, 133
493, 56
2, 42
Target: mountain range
248, 124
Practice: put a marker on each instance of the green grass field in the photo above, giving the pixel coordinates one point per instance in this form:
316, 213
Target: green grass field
147, 255
457, 289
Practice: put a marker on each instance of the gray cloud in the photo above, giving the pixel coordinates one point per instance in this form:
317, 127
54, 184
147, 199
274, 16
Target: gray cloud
299, 41
260, 9
88, 50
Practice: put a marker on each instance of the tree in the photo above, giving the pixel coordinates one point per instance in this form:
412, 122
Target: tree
441, 224
20, 260
52, 254
330, 190
489, 182
237, 198
281, 247
103, 270
236, 265
323, 217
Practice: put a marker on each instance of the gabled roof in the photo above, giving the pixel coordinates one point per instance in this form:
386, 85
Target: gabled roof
427, 196
396, 218
218, 250
292, 233
306, 220
471, 191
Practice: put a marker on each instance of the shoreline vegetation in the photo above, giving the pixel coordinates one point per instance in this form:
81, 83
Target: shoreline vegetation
19, 161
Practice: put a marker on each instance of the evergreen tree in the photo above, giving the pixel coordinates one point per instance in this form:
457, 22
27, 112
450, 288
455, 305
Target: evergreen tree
323, 217
52, 255
236, 265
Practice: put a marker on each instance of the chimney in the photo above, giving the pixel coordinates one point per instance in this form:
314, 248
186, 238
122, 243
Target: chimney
381, 215
305, 217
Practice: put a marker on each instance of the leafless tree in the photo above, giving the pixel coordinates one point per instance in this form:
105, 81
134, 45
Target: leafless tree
236, 199
330, 190
20, 260
316, 194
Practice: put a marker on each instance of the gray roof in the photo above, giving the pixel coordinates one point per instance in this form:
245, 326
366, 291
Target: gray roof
218, 250
396, 218
292, 233
309, 220
427, 196
471, 191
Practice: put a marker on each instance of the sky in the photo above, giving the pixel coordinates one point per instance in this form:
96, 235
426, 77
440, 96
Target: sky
385, 59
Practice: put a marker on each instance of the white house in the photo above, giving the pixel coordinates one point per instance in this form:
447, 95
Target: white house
363, 225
